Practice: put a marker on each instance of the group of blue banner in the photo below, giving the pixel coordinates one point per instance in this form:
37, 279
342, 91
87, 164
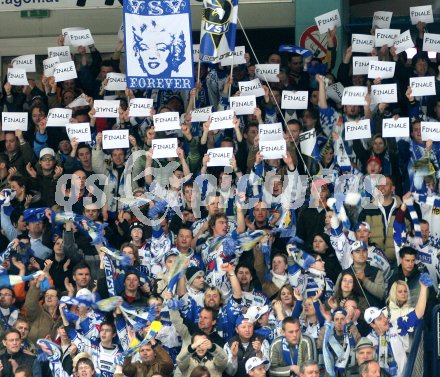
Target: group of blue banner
158, 40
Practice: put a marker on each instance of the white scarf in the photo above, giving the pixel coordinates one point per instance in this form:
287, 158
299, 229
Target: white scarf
279, 280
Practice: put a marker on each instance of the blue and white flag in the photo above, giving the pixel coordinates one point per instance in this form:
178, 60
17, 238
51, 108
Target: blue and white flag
158, 44
219, 26
310, 151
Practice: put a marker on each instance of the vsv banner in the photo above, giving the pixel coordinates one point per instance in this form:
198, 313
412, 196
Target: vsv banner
219, 26
158, 44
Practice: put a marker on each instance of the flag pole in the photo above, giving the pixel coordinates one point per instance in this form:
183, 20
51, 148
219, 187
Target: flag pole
231, 73
198, 80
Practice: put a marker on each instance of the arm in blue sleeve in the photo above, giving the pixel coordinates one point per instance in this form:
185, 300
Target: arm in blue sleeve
414, 110
40, 142
297, 309
321, 319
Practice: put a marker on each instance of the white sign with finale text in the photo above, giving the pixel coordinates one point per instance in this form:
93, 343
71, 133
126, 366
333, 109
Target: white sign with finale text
430, 131
220, 156
14, 121
395, 127
272, 149
357, 130
115, 139
80, 131
164, 148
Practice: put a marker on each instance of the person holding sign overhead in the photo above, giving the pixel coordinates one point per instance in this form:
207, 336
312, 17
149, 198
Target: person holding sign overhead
331, 119
116, 173
417, 157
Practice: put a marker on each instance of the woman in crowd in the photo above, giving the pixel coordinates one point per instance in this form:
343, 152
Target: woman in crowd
348, 287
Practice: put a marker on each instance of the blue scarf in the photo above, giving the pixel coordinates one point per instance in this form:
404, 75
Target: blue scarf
109, 275
287, 355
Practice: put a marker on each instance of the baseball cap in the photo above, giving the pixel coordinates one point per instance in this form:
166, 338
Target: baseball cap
254, 362
358, 245
375, 159
240, 319
364, 223
254, 313
83, 292
137, 224
364, 342
79, 356
172, 252
47, 151
372, 313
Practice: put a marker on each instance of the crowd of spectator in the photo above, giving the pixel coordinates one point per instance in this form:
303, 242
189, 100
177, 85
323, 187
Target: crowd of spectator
320, 265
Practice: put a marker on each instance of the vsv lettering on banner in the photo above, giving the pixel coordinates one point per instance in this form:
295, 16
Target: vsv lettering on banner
158, 45
219, 26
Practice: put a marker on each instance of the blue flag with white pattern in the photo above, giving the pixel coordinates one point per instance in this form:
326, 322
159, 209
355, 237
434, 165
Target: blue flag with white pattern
219, 27
158, 44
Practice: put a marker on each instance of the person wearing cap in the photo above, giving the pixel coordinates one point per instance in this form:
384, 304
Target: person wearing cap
374, 167
44, 178
384, 150
164, 277
336, 339
376, 257
370, 278
256, 367
191, 286
364, 351
291, 349
391, 349
137, 237
102, 349
88, 318
259, 315
43, 318
381, 218
226, 313
64, 150
244, 346
132, 293
307, 273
